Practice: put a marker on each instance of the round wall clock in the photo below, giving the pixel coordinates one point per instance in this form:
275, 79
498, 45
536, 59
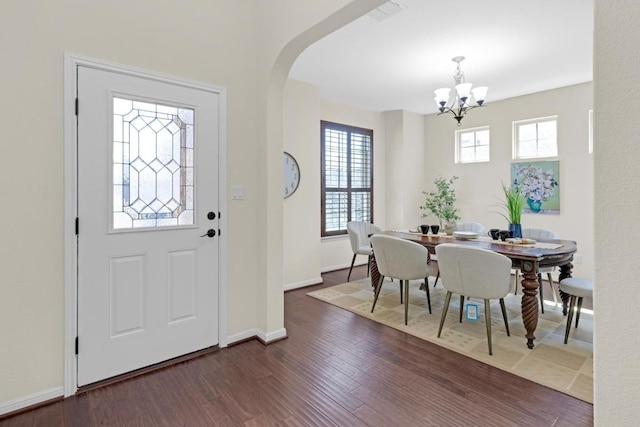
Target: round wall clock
291, 172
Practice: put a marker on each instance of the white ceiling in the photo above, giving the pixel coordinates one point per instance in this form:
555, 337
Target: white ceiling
514, 47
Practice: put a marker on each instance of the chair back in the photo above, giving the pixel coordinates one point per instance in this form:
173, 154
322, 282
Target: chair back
470, 226
473, 272
400, 258
359, 232
539, 233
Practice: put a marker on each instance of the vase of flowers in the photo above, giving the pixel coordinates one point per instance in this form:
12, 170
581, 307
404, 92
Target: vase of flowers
513, 203
534, 205
441, 203
536, 185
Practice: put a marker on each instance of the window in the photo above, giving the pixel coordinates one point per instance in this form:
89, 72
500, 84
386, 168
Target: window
472, 145
590, 131
535, 138
347, 177
153, 165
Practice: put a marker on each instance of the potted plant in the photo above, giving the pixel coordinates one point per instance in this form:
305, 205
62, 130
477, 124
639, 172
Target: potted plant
441, 203
513, 203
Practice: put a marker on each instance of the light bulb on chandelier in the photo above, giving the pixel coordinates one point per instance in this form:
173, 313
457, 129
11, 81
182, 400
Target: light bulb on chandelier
461, 101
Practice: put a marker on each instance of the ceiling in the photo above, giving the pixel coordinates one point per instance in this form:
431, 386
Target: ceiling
514, 47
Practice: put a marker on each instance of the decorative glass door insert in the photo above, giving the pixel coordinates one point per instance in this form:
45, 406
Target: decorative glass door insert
153, 165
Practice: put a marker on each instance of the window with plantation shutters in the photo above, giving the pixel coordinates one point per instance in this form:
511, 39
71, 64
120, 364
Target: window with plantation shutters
347, 176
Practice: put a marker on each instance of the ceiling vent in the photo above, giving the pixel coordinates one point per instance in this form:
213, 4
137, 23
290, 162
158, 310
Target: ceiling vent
386, 10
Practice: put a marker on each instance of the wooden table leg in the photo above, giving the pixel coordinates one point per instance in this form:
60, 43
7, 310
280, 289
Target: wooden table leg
565, 272
530, 300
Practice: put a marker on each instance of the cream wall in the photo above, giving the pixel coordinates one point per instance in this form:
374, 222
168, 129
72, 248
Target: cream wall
242, 46
617, 151
479, 185
302, 248
405, 153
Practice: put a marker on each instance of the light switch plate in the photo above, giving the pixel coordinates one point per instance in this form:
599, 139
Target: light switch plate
237, 192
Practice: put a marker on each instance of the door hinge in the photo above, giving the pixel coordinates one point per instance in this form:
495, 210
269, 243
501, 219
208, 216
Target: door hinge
76, 106
77, 225
76, 345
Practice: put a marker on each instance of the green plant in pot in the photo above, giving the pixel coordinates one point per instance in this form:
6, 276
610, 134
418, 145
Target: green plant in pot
513, 203
441, 203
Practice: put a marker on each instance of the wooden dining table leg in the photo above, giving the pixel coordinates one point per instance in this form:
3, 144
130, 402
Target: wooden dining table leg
529, 299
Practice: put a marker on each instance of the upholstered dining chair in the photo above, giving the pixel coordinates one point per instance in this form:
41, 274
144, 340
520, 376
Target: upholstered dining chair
403, 260
470, 226
359, 232
461, 226
537, 234
475, 273
578, 289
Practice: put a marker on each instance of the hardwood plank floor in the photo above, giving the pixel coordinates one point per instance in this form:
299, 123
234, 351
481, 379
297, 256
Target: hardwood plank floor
336, 368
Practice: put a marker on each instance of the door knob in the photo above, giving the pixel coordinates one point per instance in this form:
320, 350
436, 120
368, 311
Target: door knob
211, 215
210, 233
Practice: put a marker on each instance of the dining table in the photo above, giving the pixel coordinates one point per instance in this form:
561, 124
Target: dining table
526, 257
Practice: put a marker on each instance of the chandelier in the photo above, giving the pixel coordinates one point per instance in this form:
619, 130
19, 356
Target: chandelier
461, 101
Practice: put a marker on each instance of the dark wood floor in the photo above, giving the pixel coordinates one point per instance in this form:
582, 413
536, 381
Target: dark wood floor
336, 368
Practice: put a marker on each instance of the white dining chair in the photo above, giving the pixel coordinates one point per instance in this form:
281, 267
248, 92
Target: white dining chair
359, 232
460, 226
537, 234
474, 273
470, 226
578, 289
403, 260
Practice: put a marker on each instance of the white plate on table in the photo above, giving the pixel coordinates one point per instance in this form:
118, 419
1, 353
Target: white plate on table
465, 235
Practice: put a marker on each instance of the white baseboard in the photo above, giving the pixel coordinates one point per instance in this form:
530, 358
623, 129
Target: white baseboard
242, 336
251, 333
273, 336
33, 399
304, 283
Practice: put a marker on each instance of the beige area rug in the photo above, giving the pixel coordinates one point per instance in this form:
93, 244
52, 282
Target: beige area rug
566, 368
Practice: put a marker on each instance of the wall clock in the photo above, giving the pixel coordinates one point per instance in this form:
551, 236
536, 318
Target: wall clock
291, 172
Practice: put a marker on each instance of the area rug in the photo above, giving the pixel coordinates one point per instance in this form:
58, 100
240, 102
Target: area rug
567, 368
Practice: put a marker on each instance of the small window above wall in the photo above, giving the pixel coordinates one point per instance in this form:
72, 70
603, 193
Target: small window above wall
472, 145
535, 138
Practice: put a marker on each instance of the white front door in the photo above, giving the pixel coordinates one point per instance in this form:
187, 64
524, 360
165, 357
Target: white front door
147, 192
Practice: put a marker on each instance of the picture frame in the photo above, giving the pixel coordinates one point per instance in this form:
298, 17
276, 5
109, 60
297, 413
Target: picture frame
471, 311
539, 184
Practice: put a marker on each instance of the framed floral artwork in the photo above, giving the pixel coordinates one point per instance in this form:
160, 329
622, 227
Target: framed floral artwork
539, 184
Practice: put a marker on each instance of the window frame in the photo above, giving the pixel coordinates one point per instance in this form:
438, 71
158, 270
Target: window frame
516, 137
349, 189
458, 148
591, 131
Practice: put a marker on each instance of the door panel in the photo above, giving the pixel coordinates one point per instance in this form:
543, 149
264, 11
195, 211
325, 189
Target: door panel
127, 294
182, 276
147, 176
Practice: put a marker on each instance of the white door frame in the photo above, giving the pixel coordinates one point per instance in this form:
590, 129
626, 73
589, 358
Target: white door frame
71, 62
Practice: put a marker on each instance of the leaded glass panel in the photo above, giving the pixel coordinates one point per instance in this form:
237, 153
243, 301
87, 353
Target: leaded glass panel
153, 165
